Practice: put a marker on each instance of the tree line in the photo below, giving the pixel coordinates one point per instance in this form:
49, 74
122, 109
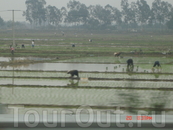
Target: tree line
132, 15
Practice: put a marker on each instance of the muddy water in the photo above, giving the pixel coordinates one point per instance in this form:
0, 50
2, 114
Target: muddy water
39, 95
71, 66
93, 97
7, 59
56, 74
80, 83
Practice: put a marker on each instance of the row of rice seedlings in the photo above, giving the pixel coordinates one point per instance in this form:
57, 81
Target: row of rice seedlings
6, 73
86, 75
130, 76
87, 83
111, 59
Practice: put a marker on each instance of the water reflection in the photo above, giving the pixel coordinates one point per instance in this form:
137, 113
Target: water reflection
130, 68
131, 99
157, 69
159, 101
147, 100
8, 59
73, 83
14, 63
12, 59
150, 101
71, 66
156, 76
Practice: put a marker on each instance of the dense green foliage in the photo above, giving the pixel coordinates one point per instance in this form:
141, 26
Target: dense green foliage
132, 14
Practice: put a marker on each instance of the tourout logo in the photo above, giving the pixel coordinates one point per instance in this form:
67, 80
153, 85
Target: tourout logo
85, 117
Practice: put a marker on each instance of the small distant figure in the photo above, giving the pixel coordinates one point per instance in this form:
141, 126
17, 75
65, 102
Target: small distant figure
73, 45
12, 50
140, 51
117, 54
62, 33
90, 40
23, 46
73, 72
33, 43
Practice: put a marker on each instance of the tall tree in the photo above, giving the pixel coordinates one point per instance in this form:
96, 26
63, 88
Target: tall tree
115, 14
143, 12
92, 21
133, 12
35, 13
125, 11
63, 13
1, 22
129, 13
170, 21
54, 15
100, 15
78, 12
161, 11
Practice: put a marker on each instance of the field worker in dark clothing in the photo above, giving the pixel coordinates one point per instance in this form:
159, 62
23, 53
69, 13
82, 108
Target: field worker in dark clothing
156, 64
129, 62
23, 46
73, 72
130, 65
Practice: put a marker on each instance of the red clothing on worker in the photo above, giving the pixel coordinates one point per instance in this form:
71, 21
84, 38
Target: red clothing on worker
12, 48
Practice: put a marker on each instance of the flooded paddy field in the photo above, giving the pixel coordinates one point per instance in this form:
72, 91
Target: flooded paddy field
36, 78
44, 89
103, 86
47, 98
83, 83
101, 64
70, 66
85, 75
8, 59
138, 59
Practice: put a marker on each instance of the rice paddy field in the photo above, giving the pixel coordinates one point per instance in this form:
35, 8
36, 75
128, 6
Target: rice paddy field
37, 78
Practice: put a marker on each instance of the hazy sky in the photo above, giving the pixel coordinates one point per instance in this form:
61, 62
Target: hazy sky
20, 5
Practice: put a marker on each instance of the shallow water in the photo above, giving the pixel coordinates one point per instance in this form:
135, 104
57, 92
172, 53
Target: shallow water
92, 97
38, 94
7, 59
77, 66
82, 83
56, 74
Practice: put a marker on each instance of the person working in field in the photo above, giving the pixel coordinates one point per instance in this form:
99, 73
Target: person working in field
130, 65
157, 63
32, 43
12, 50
